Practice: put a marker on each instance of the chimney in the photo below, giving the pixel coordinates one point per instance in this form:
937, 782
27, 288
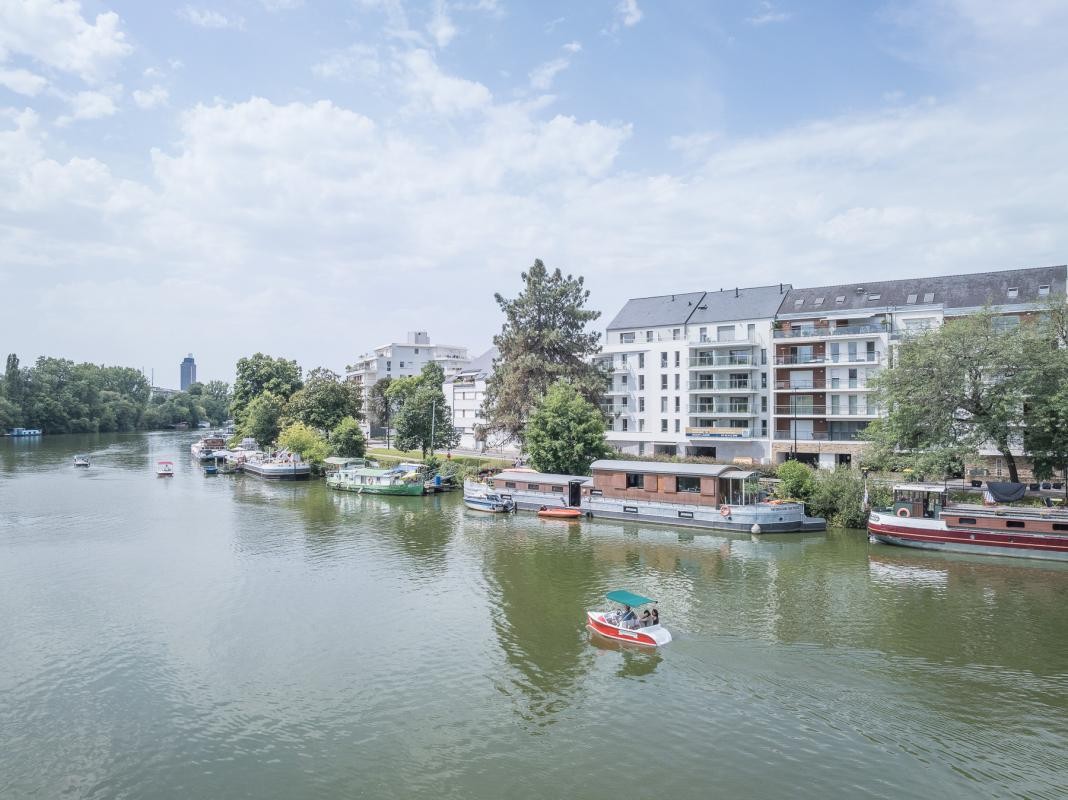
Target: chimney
735, 291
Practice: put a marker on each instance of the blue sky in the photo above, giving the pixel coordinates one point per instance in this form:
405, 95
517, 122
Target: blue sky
312, 179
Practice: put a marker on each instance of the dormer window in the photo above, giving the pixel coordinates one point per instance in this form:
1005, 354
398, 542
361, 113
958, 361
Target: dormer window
911, 298
1014, 292
873, 296
1043, 291
928, 297
840, 298
818, 301
799, 303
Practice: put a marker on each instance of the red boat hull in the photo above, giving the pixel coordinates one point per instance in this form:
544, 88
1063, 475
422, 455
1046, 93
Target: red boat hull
560, 513
935, 535
648, 637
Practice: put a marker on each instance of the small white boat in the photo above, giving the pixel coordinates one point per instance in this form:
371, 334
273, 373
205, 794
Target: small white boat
479, 500
164, 469
624, 625
81, 461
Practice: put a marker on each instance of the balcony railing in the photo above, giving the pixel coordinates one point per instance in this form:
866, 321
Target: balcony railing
829, 358
816, 436
732, 361
823, 410
722, 386
808, 386
719, 433
841, 330
721, 411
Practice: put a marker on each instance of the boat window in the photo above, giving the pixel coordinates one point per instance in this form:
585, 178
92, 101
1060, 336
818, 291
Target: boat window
685, 515
1060, 526
1014, 523
687, 483
631, 509
635, 480
533, 486
509, 484
596, 493
966, 521
558, 488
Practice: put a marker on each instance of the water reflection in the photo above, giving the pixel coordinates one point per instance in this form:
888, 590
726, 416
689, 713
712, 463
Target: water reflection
635, 661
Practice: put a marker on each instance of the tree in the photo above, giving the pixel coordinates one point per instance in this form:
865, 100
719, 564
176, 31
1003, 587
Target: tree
216, 398
309, 443
955, 389
544, 339
347, 439
324, 400
795, 481
565, 432
261, 373
1046, 411
263, 418
422, 418
379, 406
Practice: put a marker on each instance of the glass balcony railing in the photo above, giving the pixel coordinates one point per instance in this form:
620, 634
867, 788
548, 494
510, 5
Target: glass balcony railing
722, 386
817, 436
728, 361
819, 331
721, 411
808, 386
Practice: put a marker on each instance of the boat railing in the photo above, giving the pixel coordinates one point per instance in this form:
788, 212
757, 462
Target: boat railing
1040, 512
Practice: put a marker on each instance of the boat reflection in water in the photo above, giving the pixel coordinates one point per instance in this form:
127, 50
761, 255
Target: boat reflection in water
636, 662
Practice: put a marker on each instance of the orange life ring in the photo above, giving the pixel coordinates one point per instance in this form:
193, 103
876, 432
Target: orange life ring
724, 511
904, 512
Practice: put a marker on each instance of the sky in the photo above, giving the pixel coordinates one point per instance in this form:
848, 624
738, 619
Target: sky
312, 179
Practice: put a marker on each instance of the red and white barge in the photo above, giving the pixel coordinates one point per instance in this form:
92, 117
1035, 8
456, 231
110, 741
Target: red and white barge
623, 624
921, 517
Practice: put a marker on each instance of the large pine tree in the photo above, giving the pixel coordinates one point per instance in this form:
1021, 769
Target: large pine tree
544, 339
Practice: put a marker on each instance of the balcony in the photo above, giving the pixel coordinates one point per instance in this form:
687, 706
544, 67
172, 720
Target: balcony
712, 341
824, 411
711, 410
618, 390
719, 433
821, 332
833, 385
828, 358
709, 387
711, 362
815, 436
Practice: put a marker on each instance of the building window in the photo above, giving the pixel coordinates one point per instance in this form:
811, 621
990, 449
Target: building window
840, 298
677, 382
928, 297
635, 480
763, 355
389, 366
641, 404
675, 334
641, 425
686, 483
626, 338
663, 426
641, 360
648, 336
625, 402
663, 405
1014, 292
911, 298
818, 301
763, 380
663, 381
641, 448
676, 359
641, 383
751, 330
402, 365
623, 381
677, 401
764, 404
1043, 291
676, 426
799, 302
764, 428
663, 360
623, 359
624, 424
702, 334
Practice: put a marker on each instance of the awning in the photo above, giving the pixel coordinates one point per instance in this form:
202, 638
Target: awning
628, 598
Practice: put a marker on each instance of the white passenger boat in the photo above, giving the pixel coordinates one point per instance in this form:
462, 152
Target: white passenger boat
479, 497
281, 466
81, 461
164, 469
623, 624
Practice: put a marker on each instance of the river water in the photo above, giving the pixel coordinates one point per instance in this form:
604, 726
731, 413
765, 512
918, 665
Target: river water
223, 637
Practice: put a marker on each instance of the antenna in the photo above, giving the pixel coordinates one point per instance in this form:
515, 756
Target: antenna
735, 291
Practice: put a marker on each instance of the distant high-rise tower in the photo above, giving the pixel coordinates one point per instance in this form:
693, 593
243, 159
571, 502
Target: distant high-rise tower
189, 372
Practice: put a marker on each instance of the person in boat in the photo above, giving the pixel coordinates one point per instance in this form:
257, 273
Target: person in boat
647, 619
656, 617
628, 617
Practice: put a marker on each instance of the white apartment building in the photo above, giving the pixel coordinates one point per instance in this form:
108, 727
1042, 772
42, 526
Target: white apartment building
690, 374
464, 392
402, 359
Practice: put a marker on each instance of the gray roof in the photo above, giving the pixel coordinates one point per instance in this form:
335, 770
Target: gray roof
480, 367
950, 291
537, 477
668, 468
756, 302
678, 309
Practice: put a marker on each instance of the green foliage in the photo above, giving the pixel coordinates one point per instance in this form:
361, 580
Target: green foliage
216, 399
795, 481
347, 439
324, 400
954, 389
838, 496
300, 438
175, 410
1046, 412
379, 405
263, 418
260, 373
544, 339
422, 418
565, 432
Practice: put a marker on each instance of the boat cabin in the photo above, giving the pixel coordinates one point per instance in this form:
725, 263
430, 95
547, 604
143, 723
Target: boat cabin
565, 489
698, 484
334, 464
919, 499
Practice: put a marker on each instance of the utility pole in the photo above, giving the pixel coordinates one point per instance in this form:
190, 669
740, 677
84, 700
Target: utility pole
433, 419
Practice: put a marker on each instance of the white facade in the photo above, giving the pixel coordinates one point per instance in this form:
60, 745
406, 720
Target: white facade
465, 393
403, 359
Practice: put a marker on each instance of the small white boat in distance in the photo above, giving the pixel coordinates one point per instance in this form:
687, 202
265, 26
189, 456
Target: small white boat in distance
164, 469
624, 625
81, 461
477, 498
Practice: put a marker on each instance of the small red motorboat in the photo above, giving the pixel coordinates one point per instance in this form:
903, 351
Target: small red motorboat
623, 625
559, 513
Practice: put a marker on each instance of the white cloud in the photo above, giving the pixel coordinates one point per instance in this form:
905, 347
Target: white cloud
629, 13
441, 26
23, 81
431, 88
151, 98
281, 5
573, 47
88, 105
54, 33
767, 15
209, 18
358, 61
542, 76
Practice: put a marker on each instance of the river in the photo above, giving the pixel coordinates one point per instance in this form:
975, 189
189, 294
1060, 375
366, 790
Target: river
223, 637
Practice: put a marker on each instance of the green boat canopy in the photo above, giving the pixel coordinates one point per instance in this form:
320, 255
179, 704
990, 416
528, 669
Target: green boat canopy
628, 598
